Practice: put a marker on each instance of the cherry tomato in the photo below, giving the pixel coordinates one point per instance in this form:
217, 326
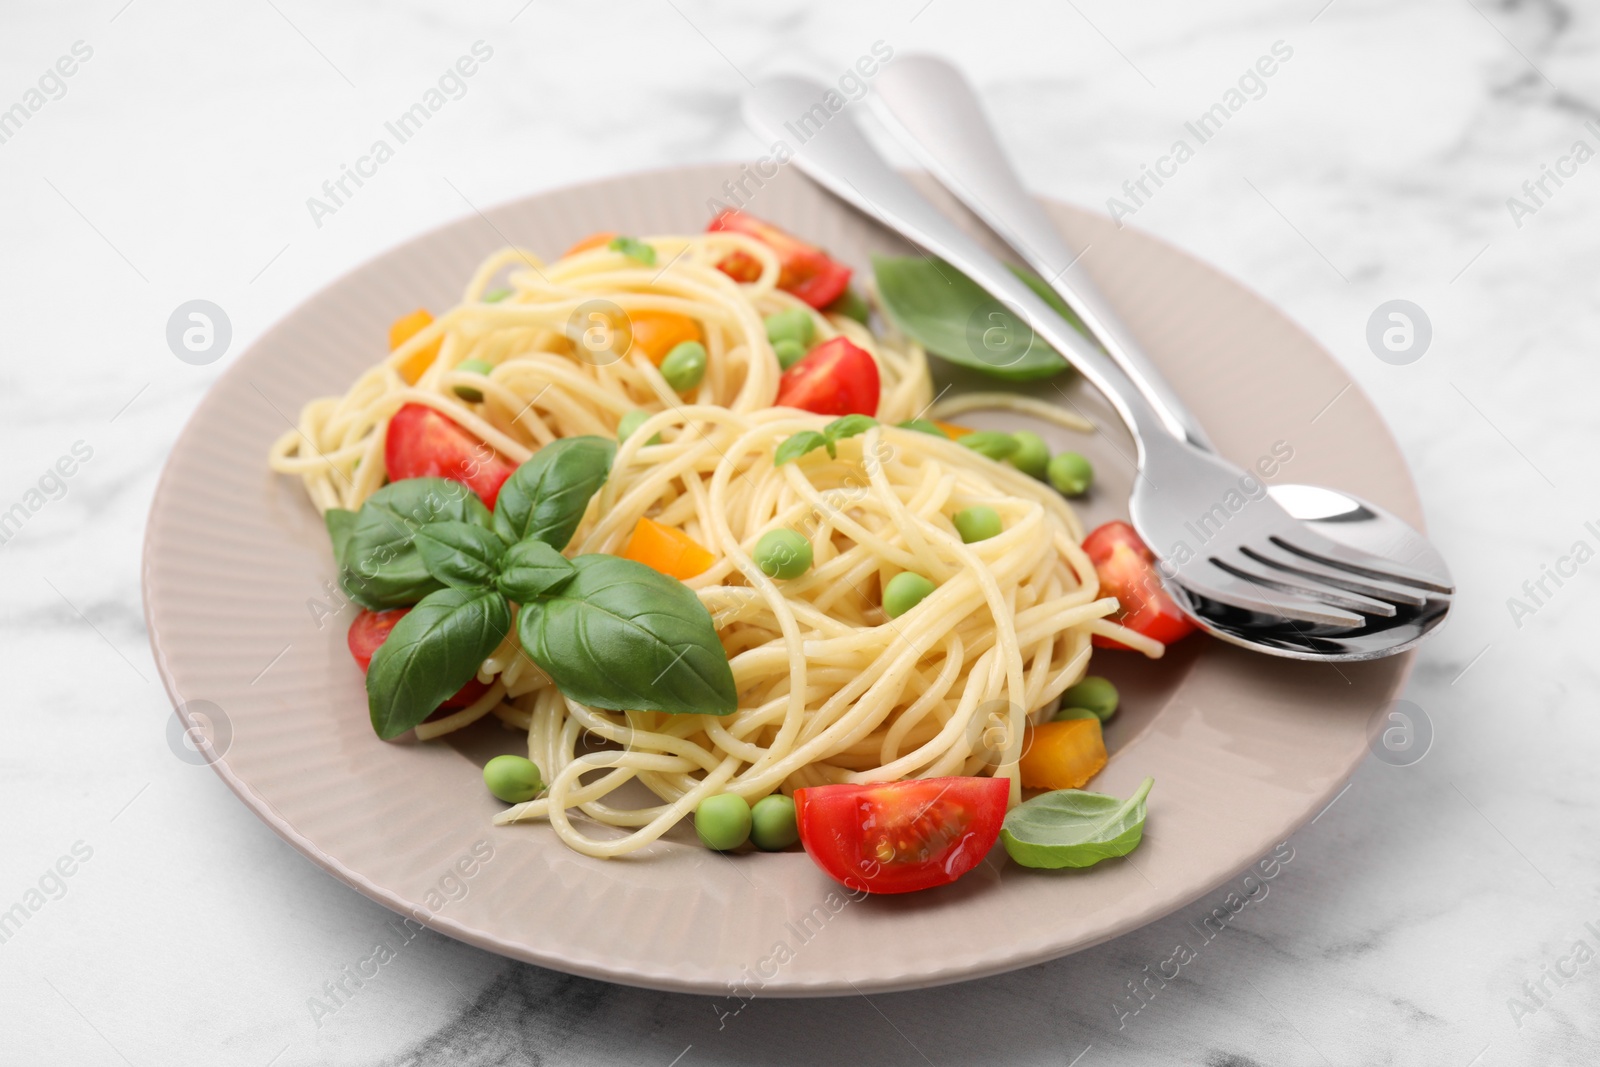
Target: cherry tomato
834, 378
805, 271
371, 629
422, 443
1127, 571
901, 836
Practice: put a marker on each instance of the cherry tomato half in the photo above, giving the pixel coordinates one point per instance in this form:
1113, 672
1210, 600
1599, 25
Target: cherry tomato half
371, 629
1127, 571
834, 378
422, 443
804, 270
899, 837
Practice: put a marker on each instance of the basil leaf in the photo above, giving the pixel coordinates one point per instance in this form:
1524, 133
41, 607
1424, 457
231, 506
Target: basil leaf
634, 249
1042, 289
1074, 828
622, 636
530, 568
432, 652
340, 523
546, 497
848, 426
797, 445
955, 319
380, 565
459, 554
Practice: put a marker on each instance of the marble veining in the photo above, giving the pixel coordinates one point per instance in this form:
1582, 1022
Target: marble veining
1429, 916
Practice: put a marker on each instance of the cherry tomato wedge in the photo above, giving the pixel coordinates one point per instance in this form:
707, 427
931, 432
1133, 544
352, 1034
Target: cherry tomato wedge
807, 272
371, 629
899, 837
834, 378
422, 443
1127, 570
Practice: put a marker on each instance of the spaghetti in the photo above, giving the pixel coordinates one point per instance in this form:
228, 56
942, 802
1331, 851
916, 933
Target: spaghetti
830, 688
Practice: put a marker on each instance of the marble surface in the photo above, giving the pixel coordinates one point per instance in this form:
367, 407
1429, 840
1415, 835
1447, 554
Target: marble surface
1375, 164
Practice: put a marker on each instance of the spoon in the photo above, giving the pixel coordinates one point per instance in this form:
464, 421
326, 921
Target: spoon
1268, 579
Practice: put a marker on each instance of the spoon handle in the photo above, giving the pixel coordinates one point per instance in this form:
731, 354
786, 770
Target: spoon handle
929, 105
840, 158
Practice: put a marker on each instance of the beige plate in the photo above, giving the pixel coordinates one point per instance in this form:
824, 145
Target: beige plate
1243, 748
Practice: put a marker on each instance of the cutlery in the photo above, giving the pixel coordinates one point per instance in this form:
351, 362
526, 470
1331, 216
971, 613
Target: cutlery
1258, 576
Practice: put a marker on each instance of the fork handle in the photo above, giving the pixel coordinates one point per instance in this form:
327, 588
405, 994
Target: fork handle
931, 107
838, 157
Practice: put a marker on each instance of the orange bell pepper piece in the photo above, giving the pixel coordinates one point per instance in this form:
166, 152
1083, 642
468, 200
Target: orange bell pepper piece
952, 430
655, 333
404, 329
594, 240
668, 550
1062, 755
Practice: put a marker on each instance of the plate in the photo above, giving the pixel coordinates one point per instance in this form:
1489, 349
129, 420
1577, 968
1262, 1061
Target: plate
248, 632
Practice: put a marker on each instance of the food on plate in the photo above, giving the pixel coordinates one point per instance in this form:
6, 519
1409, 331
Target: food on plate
1072, 828
673, 509
1127, 570
1062, 754
1070, 473
898, 837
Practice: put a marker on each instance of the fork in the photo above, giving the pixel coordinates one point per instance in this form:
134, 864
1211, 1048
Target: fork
1253, 563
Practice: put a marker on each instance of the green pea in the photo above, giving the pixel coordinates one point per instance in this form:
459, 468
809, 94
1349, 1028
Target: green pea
1070, 473
513, 778
852, 305
772, 823
991, 443
1032, 456
496, 296
685, 365
631, 422
977, 523
790, 324
1094, 693
472, 366
723, 821
1073, 713
789, 352
923, 426
905, 591
783, 554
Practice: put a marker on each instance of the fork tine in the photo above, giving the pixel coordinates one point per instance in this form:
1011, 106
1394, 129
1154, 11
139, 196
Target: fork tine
1309, 589
1282, 560
1318, 549
1215, 583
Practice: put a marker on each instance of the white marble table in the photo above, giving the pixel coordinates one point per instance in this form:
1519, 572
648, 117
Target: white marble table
1375, 163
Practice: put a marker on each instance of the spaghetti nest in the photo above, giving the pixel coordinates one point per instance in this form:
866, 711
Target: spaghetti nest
830, 689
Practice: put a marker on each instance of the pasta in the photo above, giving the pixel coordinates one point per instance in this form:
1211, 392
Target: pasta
830, 689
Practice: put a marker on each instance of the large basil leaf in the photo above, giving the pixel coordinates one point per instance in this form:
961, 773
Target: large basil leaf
546, 498
1074, 828
432, 652
341, 524
622, 636
380, 565
1042, 289
955, 319
532, 568
459, 554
